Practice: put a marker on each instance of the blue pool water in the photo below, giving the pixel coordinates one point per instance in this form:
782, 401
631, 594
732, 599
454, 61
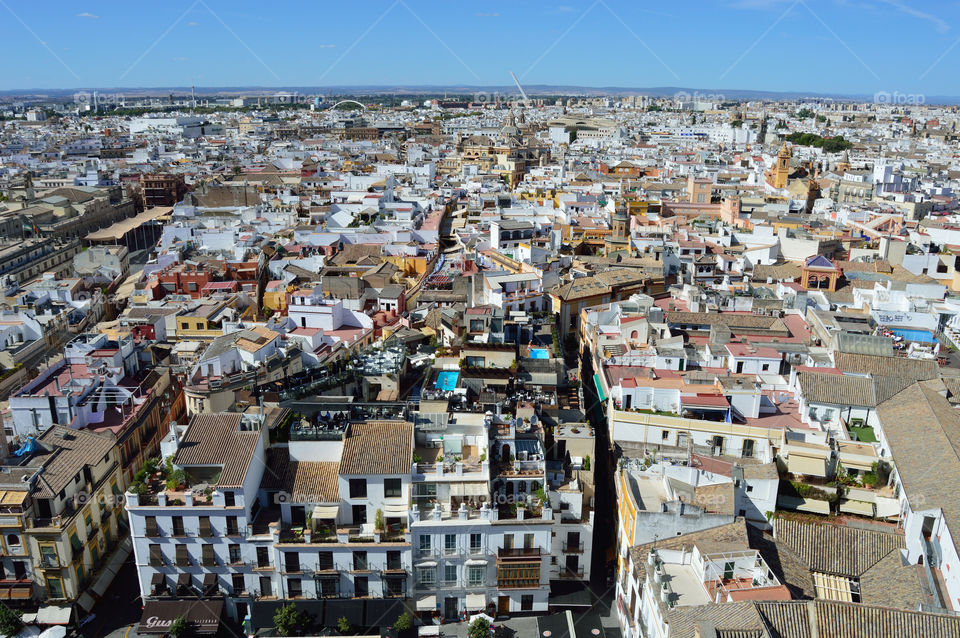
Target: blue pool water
447, 380
539, 353
911, 334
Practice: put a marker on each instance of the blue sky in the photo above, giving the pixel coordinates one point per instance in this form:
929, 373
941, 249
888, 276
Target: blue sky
848, 46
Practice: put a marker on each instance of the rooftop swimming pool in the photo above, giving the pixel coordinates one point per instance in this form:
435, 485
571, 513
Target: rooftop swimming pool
539, 353
447, 380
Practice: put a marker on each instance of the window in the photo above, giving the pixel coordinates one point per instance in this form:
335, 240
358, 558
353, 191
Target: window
207, 557
291, 561
266, 586
235, 557
238, 584
476, 543
475, 575
55, 585
359, 514
156, 556
360, 562
518, 575
232, 529
183, 555
48, 556
476, 362
205, 530
229, 499
449, 543
394, 560
328, 586
294, 588
178, 526
528, 541
358, 488
395, 586
151, 526
665, 435
426, 544
450, 574
526, 602
13, 540
361, 587
426, 576
325, 561
392, 488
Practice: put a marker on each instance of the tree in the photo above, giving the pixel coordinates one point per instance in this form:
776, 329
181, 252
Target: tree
404, 622
479, 628
343, 625
11, 621
178, 627
288, 620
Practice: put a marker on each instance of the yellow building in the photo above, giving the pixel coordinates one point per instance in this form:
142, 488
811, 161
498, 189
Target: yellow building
777, 176
78, 515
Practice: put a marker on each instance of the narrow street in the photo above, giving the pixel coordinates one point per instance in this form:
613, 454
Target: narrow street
605, 514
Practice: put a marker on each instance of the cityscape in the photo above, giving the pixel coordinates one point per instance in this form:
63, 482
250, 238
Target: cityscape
380, 332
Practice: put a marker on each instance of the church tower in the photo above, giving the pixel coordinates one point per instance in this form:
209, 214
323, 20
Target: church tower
778, 176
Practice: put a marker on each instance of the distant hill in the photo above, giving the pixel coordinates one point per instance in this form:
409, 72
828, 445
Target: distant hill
504, 90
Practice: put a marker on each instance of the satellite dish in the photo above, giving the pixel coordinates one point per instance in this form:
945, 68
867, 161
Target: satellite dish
533, 420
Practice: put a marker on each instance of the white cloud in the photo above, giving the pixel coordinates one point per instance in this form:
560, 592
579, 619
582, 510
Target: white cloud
193, 24
87, 15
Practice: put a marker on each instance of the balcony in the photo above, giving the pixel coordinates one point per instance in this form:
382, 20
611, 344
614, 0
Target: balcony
567, 573
518, 553
573, 548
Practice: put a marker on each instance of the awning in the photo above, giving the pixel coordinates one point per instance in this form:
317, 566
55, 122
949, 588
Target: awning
469, 489
183, 580
209, 580
857, 507
476, 601
427, 603
324, 512
396, 511
596, 382
202, 616
474, 561
116, 561
54, 615
21, 593
158, 579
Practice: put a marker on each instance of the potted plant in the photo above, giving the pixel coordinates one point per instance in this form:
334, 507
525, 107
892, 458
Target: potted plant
378, 520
